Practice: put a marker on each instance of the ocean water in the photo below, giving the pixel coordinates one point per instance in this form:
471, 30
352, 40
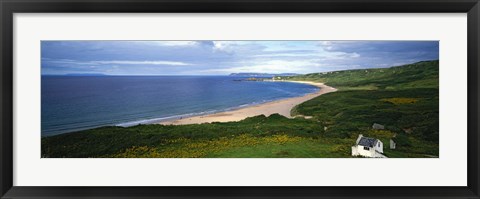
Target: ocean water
72, 103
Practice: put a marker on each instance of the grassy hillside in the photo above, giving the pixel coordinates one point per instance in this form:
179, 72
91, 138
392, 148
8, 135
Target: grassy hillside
403, 98
418, 75
273, 135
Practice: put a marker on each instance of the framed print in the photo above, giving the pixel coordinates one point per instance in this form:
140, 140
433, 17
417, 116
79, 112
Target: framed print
238, 99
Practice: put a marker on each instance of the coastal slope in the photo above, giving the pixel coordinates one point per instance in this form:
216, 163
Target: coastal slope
404, 99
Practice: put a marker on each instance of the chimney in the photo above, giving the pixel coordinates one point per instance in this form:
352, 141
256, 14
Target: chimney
359, 137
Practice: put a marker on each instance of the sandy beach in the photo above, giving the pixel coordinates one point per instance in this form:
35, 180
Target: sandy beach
282, 107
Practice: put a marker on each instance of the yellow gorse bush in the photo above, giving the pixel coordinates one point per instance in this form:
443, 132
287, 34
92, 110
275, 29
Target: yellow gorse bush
185, 148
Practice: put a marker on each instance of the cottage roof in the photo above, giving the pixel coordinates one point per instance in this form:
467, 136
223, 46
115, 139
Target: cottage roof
366, 141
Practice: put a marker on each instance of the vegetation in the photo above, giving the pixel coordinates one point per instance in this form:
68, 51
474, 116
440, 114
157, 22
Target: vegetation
403, 98
418, 75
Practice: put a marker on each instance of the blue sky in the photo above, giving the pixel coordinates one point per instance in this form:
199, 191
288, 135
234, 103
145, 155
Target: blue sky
225, 57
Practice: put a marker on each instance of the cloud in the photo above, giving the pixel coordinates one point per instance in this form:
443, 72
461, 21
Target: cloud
238, 47
110, 62
318, 55
270, 66
288, 55
367, 47
225, 45
171, 63
223, 57
169, 43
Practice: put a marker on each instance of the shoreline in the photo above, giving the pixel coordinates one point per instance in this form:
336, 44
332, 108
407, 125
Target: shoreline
282, 107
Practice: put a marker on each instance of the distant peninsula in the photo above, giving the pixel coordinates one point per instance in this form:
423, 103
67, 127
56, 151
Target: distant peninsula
261, 74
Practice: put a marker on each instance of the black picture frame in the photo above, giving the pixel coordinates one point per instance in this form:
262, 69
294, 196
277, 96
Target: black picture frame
10, 7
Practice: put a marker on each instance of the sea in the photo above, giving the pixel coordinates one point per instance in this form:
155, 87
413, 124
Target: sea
73, 103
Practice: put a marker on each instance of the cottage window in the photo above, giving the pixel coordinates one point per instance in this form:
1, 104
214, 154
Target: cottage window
366, 148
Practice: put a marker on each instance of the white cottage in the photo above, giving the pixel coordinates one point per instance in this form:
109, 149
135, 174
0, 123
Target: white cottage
368, 147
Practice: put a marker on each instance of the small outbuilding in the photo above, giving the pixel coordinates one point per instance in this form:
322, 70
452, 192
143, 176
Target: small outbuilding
393, 145
368, 147
378, 126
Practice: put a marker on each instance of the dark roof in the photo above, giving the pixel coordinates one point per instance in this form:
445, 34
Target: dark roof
366, 141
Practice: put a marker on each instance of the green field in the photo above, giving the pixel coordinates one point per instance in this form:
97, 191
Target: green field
403, 98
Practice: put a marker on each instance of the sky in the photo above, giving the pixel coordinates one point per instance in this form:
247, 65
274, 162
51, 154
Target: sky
225, 57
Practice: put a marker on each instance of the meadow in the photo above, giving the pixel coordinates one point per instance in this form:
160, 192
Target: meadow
403, 98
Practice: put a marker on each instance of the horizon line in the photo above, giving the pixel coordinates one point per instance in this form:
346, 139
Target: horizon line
101, 74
